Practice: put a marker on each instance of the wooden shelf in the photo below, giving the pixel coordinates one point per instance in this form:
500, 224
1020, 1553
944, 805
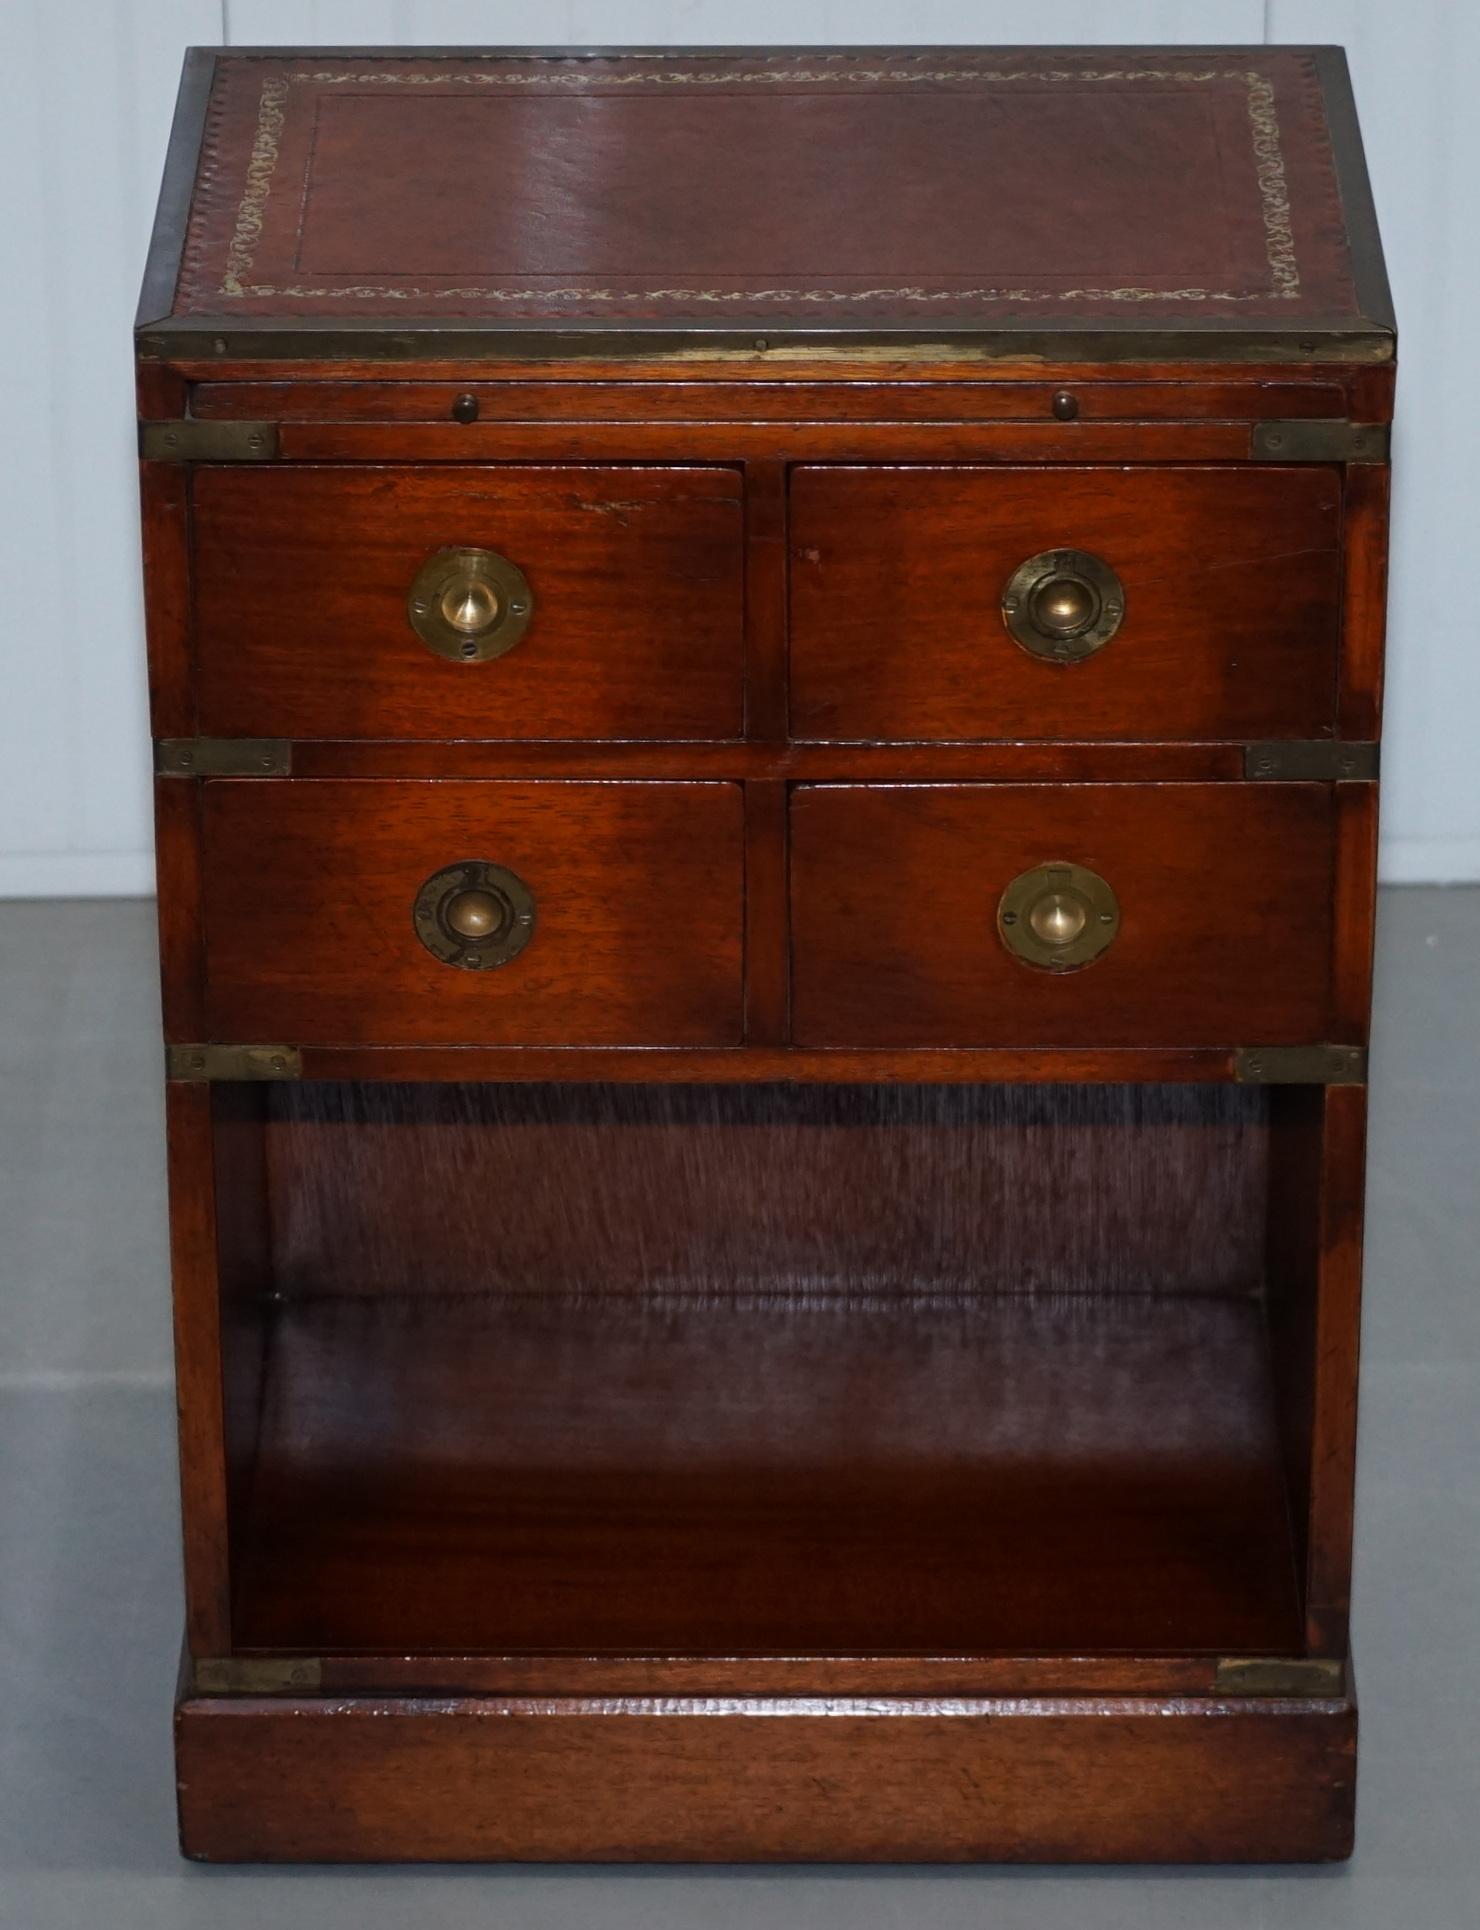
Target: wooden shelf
785, 1475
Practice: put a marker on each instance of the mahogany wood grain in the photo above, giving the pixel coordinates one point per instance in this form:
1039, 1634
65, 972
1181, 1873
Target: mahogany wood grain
776, 1190
771, 762
1225, 893
1110, 1779
302, 578
383, 400
178, 905
765, 600
638, 894
194, 1266
1292, 1277
767, 916
717, 442
164, 510
1338, 1289
1355, 905
788, 1474
244, 1273
1231, 580
1364, 599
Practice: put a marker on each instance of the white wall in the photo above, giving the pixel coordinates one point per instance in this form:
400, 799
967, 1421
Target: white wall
86, 88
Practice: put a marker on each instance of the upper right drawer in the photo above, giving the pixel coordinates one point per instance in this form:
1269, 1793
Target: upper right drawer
1064, 603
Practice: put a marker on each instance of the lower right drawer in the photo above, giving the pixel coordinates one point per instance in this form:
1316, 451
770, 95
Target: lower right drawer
1064, 914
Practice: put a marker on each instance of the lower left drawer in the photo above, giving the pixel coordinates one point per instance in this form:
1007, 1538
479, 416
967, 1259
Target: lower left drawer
420, 912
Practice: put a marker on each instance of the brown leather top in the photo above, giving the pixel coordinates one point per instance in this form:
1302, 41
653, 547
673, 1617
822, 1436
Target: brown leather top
861, 189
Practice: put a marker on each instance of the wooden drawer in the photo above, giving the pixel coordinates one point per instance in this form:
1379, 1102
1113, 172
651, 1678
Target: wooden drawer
1231, 602
301, 580
310, 889
1225, 897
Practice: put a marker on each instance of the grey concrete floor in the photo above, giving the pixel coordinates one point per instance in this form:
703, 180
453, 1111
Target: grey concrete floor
89, 1594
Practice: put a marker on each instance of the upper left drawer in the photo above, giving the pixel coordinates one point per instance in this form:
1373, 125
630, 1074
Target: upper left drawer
622, 589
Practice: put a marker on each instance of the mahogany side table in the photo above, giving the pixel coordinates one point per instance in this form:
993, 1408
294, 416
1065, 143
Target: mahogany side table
766, 672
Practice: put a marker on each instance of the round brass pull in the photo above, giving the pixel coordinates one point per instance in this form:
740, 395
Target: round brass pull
469, 605
474, 914
1063, 605
1058, 916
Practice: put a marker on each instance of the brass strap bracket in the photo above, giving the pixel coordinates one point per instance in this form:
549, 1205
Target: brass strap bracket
1318, 441
1317, 760
232, 1062
1300, 1065
186, 441
255, 1674
222, 757
1279, 1676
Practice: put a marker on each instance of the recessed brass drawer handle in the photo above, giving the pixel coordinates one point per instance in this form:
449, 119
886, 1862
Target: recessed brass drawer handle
474, 914
1058, 916
469, 605
1063, 605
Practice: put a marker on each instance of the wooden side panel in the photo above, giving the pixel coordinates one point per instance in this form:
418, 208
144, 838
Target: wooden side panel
1364, 613
1110, 1781
310, 889
1317, 1167
1334, 1369
1231, 587
302, 577
197, 1302
1225, 897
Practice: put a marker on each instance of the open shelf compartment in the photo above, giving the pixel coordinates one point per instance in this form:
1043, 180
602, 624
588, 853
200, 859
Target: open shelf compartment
763, 1370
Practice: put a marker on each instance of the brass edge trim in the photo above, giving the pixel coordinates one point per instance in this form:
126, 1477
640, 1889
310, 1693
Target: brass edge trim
1300, 1065
1319, 441
209, 1062
222, 757
256, 1675
186, 441
177, 188
1321, 760
232, 338
1279, 1676
1354, 187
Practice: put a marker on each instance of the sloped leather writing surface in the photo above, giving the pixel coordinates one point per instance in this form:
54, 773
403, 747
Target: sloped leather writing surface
863, 188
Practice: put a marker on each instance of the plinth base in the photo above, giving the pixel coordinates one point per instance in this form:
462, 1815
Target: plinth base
1110, 1779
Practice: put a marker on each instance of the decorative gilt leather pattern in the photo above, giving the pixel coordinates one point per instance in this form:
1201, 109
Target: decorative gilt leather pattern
252, 187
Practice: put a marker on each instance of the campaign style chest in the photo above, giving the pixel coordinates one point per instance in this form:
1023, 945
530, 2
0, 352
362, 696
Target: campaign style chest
766, 674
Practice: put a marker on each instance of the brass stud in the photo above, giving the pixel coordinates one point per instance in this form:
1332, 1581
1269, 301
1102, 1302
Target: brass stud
470, 606
1057, 918
475, 914
1064, 606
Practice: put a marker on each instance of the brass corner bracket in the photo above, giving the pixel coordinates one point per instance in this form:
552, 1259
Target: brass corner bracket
186, 441
206, 1062
1319, 441
1300, 1065
1280, 1676
255, 1674
1318, 760
222, 757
